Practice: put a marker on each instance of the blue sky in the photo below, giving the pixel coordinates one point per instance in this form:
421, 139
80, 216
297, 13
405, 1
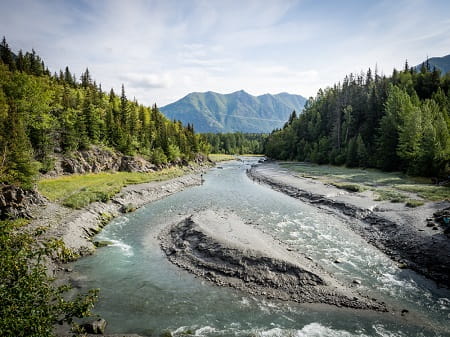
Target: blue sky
162, 50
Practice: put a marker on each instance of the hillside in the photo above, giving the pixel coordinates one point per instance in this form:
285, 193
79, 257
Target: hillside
441, 63
238, 111
44, 116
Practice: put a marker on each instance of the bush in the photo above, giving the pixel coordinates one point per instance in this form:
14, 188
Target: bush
158, 157
30, 303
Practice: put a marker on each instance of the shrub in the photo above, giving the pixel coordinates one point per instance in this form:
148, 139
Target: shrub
30, 303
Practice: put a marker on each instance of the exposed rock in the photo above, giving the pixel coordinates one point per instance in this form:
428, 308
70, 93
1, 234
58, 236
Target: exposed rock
95, 159
16, 202
96, 327
136, 164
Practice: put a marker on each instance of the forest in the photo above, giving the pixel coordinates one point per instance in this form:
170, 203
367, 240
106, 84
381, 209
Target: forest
395, 123
43, 113
236, 143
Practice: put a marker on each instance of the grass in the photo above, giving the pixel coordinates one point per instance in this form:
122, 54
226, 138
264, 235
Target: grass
78, 191
349, 187
391, 195
393, 186
429, 192
217, 157
414, 203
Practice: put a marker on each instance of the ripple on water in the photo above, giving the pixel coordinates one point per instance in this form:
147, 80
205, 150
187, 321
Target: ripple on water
126, 249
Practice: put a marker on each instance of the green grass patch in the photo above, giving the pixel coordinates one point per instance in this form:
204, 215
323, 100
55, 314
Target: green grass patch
429, 192
79, 190
392, 196
349, 187
218, 157
414, 203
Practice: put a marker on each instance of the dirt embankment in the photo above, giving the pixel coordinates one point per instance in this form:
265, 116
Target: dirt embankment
398, 231
221, 248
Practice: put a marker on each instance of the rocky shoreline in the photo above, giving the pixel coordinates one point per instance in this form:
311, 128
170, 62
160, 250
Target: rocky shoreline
219, 247
401, 233
76, 228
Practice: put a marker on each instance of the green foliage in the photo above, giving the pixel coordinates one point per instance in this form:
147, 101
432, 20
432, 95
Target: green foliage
236, 143
30, 304
396, 123
41, 114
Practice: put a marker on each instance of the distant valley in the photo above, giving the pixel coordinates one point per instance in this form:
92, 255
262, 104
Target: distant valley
237, 111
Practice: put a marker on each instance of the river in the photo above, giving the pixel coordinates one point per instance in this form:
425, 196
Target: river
141, 292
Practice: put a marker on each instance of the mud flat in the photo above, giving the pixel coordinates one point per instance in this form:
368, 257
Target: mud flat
221, 248
398, 231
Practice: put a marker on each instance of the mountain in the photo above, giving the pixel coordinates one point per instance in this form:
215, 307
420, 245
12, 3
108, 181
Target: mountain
441, 63
238, 111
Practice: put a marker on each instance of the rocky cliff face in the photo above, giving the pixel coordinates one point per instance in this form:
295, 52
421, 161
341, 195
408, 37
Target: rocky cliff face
97, 160
16, 202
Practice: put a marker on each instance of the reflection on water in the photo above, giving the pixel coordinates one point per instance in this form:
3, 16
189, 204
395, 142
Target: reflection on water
141, 292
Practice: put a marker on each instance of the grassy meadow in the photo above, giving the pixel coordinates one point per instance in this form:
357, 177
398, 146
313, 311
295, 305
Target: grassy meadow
79, 190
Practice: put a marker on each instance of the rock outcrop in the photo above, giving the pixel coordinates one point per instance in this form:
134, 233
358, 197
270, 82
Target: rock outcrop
16, 202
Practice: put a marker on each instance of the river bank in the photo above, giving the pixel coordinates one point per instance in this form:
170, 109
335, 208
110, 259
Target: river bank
398, 231
76, 228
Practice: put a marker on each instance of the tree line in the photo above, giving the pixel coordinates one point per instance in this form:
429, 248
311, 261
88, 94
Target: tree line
236, 143
400, 122
43, 113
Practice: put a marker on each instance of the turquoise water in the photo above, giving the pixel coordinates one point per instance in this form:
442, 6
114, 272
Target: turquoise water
141, 292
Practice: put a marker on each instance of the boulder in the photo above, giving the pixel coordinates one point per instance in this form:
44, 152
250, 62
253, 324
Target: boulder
96, 327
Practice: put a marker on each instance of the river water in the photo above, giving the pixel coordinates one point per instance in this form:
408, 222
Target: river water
141, 292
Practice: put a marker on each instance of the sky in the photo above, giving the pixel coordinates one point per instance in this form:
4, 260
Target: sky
161, 50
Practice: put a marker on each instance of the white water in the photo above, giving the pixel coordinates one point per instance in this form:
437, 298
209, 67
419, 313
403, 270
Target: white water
141, 292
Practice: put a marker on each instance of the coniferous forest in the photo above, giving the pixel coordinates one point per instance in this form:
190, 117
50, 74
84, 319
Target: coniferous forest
236, 143
401, 122
43, 113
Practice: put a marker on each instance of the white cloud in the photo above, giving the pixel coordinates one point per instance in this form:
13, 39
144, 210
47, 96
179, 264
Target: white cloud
162, 50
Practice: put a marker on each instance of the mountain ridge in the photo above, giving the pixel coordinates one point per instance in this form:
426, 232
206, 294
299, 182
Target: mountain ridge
442, 63
236, 111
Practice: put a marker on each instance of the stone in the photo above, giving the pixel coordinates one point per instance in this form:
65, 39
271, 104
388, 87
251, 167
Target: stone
96, 327
16, 202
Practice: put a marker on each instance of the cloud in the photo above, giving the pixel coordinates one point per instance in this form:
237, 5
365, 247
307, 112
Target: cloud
146, 81
163, 49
